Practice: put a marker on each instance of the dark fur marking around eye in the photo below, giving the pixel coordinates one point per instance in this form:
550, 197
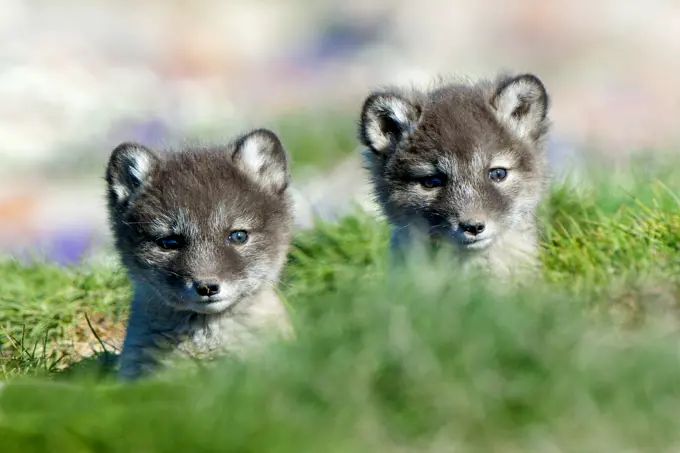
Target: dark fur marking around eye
431, 182
172, 242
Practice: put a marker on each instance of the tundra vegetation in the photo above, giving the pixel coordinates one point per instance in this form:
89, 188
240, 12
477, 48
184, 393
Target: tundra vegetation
583, 359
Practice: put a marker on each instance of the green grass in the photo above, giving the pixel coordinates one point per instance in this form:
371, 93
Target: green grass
44, 304
586, 360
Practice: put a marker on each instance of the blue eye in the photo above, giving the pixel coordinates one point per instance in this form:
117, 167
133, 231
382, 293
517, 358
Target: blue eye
238, 237
498, 174
430, 182
170, 242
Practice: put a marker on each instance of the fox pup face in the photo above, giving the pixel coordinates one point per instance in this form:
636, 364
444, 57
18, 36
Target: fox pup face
204, 227
463, 163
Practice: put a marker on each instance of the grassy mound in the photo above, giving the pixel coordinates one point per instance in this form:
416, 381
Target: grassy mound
585, 361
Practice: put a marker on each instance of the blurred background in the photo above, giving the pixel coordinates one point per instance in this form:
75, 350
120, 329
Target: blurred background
77, 77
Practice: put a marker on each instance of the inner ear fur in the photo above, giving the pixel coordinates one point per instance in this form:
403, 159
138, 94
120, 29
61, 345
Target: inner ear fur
521, 103
386, 118
261, 155
128, 169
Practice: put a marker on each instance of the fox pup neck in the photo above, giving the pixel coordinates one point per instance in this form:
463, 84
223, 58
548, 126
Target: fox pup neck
513, 254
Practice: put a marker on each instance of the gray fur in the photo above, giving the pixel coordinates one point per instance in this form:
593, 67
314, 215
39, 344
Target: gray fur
200, 195
459, 132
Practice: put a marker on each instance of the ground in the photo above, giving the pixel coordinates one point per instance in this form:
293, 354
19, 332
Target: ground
584, 360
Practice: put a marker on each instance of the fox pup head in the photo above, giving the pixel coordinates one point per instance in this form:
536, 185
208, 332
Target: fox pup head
463, 162
201, 228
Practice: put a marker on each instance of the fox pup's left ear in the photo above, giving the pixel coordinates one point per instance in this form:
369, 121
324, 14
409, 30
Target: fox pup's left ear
386, 118
129, 167
521, 103
261, 155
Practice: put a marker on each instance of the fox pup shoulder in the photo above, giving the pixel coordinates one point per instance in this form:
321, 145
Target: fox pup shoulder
462, 164
203, 233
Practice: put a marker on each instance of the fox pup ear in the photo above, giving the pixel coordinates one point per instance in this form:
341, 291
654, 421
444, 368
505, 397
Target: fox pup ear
521, 103
386, 118
261, 155
129, 167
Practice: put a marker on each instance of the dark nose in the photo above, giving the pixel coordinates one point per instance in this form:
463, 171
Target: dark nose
473, 227
207, 287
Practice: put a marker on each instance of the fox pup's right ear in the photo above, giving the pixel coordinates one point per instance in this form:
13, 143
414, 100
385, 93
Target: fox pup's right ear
386, 118
521, 104
129, 166
260, 154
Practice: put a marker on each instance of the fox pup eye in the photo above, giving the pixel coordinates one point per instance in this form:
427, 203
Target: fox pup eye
170, 242
498, 174
238, 237
430, 182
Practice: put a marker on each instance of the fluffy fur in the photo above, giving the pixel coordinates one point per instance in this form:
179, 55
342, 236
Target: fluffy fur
462, 164
197, 286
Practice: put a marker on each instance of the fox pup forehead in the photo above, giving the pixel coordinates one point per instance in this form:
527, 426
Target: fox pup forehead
211, 186
508, 115
460, 154
215, 214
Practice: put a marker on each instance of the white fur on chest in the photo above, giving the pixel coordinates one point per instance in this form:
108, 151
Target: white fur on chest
156, 331
211, 335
